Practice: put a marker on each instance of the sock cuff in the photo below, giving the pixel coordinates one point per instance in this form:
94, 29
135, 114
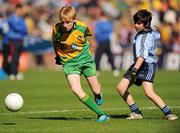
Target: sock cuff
84, 98
134, 105
166, 110
134, 108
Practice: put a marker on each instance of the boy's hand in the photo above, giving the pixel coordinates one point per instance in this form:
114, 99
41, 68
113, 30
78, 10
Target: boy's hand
58, 60
133, 74
57, 37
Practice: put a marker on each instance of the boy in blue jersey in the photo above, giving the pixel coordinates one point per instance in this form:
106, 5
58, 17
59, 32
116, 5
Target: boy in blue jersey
103, 30
142, 71
17, 32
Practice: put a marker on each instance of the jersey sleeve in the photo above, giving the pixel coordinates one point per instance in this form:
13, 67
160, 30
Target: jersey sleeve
53, 34
142, 45
54, 40
57, 29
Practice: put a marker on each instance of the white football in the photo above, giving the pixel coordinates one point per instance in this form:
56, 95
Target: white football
14, 102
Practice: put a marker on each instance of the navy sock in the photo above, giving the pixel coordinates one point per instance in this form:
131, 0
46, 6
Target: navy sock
134, 108
166, 110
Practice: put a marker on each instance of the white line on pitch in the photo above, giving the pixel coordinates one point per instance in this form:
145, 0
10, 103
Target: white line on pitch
80, 110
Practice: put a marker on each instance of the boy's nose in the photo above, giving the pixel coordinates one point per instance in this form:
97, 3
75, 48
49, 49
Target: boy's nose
135, 25
64, 24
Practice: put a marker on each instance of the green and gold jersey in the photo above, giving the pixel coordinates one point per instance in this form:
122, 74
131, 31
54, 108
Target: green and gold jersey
72, 46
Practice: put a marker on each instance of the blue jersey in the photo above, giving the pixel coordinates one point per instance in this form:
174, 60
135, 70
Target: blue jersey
144, 45
102, 31
17, 27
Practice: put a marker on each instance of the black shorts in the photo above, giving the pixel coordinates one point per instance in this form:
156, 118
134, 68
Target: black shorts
145, 73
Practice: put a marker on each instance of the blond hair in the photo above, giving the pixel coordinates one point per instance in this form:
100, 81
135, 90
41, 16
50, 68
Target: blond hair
67, 12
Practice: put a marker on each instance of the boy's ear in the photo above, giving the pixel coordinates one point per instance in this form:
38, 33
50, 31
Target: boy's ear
147, 24
75, 19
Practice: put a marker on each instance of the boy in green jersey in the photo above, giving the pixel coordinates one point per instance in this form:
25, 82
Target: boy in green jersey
72, 51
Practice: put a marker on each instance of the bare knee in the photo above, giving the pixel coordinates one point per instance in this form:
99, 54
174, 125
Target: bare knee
121, 90
150, 95
122, 86
78, 92
148, 90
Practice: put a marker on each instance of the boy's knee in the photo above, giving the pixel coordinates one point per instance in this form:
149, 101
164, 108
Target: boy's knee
149, 95
120, 90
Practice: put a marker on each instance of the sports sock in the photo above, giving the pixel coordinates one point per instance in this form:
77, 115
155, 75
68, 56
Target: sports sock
166, 110
87, 100
134, 108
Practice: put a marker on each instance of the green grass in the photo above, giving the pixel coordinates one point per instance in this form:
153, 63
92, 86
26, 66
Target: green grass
50, 106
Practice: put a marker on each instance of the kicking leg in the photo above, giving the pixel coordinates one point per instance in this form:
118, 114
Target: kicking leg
74, 82
75, 85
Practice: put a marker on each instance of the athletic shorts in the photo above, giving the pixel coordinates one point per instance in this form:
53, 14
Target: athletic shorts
87, 69
145, 73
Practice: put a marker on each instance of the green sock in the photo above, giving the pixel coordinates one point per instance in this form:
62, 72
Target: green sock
87, 100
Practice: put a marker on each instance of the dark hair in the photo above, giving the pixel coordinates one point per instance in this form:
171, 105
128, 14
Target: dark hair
143, 16
18, 6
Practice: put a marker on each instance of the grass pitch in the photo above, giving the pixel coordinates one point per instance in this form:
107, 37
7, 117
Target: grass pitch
50, 106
